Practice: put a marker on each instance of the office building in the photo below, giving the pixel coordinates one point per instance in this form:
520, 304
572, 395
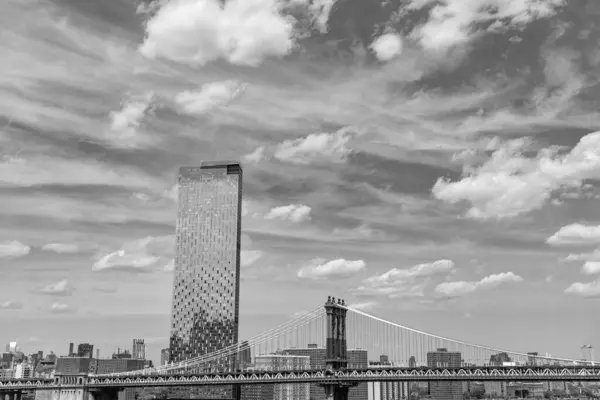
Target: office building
205, 309
282, 391
164, 356
445, 390
23, 371
73, 365
412, 362
12, 347
110, 366
497, 360
316, 357
71, 349
358, 359
244, 358
138, 350
85, 350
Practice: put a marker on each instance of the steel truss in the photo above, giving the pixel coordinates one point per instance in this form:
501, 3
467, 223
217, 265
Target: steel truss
315, 376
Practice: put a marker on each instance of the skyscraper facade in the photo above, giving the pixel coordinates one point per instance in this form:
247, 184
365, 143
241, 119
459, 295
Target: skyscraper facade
205, 310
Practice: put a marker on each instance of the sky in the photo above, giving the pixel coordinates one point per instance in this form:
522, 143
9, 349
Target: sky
435, 163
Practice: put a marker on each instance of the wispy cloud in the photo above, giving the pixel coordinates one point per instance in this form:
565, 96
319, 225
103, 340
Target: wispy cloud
139, 255
209, 96
62, 248
60, 308
124, 123
58, 289
294, 213
11, 305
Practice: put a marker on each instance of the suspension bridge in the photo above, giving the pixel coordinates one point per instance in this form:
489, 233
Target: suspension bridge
329, 347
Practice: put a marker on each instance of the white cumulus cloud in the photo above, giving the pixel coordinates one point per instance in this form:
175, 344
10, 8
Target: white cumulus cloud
13, 249
589, 289
339, 268
210, 96
510, 183
387, 46
461, 288
196, 32
591, 268
294, 212
575, 234
409, 282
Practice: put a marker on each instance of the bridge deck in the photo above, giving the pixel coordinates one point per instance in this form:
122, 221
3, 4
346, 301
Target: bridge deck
575, 373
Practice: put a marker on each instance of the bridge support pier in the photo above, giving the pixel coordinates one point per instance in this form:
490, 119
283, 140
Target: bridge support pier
104, 394
336, 357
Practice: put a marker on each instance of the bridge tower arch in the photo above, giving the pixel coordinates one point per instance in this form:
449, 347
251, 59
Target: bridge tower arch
336, 352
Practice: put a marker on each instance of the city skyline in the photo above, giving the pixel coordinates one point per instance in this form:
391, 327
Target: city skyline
448, 181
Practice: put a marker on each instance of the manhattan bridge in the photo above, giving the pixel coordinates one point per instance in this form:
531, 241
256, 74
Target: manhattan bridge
336, 327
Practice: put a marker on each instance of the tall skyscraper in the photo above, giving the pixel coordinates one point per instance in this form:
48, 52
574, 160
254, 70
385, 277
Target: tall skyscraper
205, 311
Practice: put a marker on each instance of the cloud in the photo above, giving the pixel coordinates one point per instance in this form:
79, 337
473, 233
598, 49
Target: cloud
11, 305
60, 308
138, 255
170, 266
317, 147
242, 32
294, 212
456, 22
125, 122
360, 232
209, 97
339, 268
593, 256
590, 289
249, 257
410, 282
13, 249
368, 305
61, 248
575, 234
591, 268
510, 183
387, 46
58, 289
461, 288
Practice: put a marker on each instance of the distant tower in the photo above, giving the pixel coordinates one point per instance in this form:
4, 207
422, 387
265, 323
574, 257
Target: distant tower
205, 310
138, 350
71, 345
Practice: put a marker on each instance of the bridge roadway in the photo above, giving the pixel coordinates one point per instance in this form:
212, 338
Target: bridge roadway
551, 373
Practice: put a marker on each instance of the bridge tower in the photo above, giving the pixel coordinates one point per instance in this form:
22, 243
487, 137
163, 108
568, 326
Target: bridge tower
336, 355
